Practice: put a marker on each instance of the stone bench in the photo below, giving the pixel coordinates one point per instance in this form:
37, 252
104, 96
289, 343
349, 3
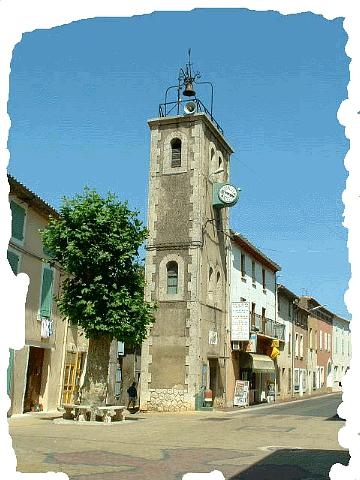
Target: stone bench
111, 411
81, 412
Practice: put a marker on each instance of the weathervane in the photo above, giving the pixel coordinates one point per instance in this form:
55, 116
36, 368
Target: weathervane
187, 78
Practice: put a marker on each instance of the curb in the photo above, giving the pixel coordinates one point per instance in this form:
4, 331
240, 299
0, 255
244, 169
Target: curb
274, 404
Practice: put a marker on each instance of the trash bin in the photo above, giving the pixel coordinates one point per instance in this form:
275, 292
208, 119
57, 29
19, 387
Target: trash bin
199, 399
203, 399
208, 398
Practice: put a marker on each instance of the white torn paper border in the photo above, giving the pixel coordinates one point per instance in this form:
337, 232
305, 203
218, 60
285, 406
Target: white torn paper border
19, 16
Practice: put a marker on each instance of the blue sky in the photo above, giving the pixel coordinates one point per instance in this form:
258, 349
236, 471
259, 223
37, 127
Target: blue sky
81, 95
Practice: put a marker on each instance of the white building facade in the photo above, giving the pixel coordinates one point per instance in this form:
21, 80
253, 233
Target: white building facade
341, 350
253, 293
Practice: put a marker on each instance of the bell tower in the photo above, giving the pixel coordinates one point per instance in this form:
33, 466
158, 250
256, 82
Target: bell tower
187, 251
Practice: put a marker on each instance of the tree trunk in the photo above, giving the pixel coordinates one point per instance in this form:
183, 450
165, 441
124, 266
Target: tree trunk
95, 388
113, 365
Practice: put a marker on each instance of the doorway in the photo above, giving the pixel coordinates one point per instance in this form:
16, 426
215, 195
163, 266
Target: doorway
33, 379
215, 383
74, 366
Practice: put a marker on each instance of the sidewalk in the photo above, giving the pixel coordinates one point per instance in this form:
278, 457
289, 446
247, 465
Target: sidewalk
294, 399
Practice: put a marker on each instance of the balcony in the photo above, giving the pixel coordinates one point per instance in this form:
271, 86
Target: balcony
268, 327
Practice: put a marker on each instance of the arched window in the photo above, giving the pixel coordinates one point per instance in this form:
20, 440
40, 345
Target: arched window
176, 152
218, 289
172, 278
211, 284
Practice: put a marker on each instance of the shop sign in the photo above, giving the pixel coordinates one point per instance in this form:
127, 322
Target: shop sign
240, 321
241, 393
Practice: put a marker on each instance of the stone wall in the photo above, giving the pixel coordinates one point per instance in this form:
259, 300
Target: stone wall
168, 400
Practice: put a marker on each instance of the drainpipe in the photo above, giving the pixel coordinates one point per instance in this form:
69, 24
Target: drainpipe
294, 312
227, 339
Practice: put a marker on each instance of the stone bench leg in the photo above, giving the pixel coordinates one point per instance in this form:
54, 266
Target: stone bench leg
120, 416
107, 416
82, 416
68, 415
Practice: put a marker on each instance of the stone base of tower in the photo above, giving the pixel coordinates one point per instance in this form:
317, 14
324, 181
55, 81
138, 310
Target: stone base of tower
168, 400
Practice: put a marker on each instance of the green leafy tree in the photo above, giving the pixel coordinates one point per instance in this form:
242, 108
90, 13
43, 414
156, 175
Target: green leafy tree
96, 242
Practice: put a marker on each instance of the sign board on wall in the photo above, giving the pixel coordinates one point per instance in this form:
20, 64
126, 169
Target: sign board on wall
240, 321
213, 337
241, 393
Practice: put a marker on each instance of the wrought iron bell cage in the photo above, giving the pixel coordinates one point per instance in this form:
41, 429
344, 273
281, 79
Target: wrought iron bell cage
187, 82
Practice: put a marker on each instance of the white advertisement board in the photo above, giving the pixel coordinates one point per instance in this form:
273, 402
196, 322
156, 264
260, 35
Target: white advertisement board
240, 318
241, 393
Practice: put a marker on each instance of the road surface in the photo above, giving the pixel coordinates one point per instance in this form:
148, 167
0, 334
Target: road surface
294, 441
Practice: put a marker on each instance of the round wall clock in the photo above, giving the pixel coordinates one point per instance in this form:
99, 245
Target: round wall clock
228, 194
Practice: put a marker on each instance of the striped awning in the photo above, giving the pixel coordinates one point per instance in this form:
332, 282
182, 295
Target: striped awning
257, 362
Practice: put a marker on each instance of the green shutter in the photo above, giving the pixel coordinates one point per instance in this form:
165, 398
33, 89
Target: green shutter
10, 371
18, 218
46, 292
13, 259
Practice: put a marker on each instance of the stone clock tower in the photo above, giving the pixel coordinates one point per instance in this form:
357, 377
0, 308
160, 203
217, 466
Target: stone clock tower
188, 345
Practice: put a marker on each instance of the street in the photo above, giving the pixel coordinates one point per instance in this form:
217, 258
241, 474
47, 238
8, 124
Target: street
295, 440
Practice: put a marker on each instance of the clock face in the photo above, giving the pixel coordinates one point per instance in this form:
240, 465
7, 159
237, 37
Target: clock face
228, 193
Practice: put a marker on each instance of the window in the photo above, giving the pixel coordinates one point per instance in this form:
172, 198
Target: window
289, 380
210, 284
301, 346
172, 278
176, 152
289, 344
18, 221
296, 379
304, 380
320, 340
212, 163
218, 289
263, 279
253, 314
296, 344
322, 375
311, 339
243, 272
253, 272
46, 292
325, 341
13, 259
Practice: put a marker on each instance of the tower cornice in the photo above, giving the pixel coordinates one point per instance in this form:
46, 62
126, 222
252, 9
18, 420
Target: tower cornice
192, 119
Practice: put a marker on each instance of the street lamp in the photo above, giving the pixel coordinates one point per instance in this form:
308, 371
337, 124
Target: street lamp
316, 308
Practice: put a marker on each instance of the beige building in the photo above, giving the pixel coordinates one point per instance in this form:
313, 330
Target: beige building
48, 367
295, 362
186, 262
